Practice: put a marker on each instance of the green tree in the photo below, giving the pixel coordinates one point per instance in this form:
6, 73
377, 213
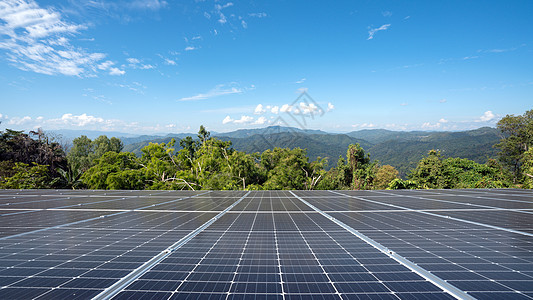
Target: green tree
527, 167
436, 172
428, 172
85, 152
115, 171
78, 156
287, 169
28, 177
363, 171
203, 134
384, 176
517, 139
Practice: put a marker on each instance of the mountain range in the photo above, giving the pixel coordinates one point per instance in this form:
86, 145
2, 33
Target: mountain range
401, 149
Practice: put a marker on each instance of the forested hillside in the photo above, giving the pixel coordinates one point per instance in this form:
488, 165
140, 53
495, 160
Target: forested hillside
401, 150
36, 160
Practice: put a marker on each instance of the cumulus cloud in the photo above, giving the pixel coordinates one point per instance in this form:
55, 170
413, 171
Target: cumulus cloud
87, 122
364, 125
259, 109
37, 40
260, 121
274, 109
244, 120
487, 116
19, 121
373, 31
190, 48
116, 71
227, 120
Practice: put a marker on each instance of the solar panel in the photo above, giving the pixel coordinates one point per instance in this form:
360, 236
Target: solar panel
266, 244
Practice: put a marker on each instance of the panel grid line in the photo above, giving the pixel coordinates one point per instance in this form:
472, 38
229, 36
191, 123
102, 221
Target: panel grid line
445, 286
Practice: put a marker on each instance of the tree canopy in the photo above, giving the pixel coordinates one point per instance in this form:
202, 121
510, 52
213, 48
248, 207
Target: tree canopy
36, 160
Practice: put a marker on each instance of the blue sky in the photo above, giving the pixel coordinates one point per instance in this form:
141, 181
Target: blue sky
169, 66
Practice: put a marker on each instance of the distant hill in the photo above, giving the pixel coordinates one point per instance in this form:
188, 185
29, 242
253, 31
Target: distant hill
404, 153
376, 136
399, 149
243, 133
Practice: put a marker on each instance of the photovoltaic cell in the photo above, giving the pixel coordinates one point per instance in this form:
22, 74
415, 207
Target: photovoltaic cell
270, 245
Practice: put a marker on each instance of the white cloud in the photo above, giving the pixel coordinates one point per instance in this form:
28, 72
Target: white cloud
19, 121
443, 100
373, 31
244, 120
487, 116
428, 125
133, 60
37, 40
146, 67
274, 109
260, 121
442, 120
330, 106
227, 120
364, 125
105, 65
259, 109
286, 108
108, 66
190, 48
258, 15
170, 62
244, 24
386, 13
218, 10
404, 104
301, 80
116, 71
80, 120
218, 90
306, 109
135, 63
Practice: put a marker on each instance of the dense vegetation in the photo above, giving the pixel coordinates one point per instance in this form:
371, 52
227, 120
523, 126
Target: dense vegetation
206, 162
402, 150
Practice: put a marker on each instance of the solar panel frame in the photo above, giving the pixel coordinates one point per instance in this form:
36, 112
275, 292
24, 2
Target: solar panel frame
271, 244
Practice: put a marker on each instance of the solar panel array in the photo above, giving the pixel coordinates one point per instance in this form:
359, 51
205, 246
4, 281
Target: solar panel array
438, 244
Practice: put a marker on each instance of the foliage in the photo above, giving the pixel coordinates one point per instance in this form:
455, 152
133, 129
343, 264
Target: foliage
28, 177
527, 168
384, 176
115, 171
400, 184
436, 172
36, 147
84, 152
211, 163
517, 139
